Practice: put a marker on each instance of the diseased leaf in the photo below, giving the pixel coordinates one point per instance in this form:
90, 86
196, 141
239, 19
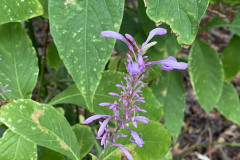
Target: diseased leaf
228, 104
14, 147
231, 58
18, 11
19, 64
170, 93
206, 74
85, 138
41, 124
76, 28
183, 16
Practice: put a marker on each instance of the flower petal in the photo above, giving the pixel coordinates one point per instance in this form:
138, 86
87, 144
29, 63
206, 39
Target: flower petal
116, 35
105, 104
130, 38
170, 63
156, 31
103, 140
95, 117
137, 139
103, 126
125, 151
141, 119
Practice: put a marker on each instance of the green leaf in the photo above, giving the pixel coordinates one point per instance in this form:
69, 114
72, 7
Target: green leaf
107, 84
231, 58
19, 64
85, 138
49, 154
215, 22
41, 124
228, 104
232, 2
18, 11
44, 4
170, 93
235, 26
76, 28
53, 58
93, 157
70, 95
183, 16
156, 139
14, 147
206, 74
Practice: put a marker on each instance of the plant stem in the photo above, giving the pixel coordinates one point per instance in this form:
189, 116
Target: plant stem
104, 150
233, 144
42, 68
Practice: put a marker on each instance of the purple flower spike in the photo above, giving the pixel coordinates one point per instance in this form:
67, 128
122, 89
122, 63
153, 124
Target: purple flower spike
93, 118
156, 31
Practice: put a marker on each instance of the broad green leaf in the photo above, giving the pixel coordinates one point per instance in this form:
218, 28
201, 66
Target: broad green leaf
14, 147
18, 11
76, 28
170, 93
183, 16
19, 64
41, 124
85, 138
44, 4
108, 84
49, 154
215, 22
231, 58
206, 74
228, 104
156, 139
235, 26
52, 56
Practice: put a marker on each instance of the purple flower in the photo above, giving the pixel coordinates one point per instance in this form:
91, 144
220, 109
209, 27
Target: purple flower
3, 89
131, 92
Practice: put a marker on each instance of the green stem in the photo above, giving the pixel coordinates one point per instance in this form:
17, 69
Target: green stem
31, 34
54, 87
232, 144
42, 68
104, 150
42, 71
